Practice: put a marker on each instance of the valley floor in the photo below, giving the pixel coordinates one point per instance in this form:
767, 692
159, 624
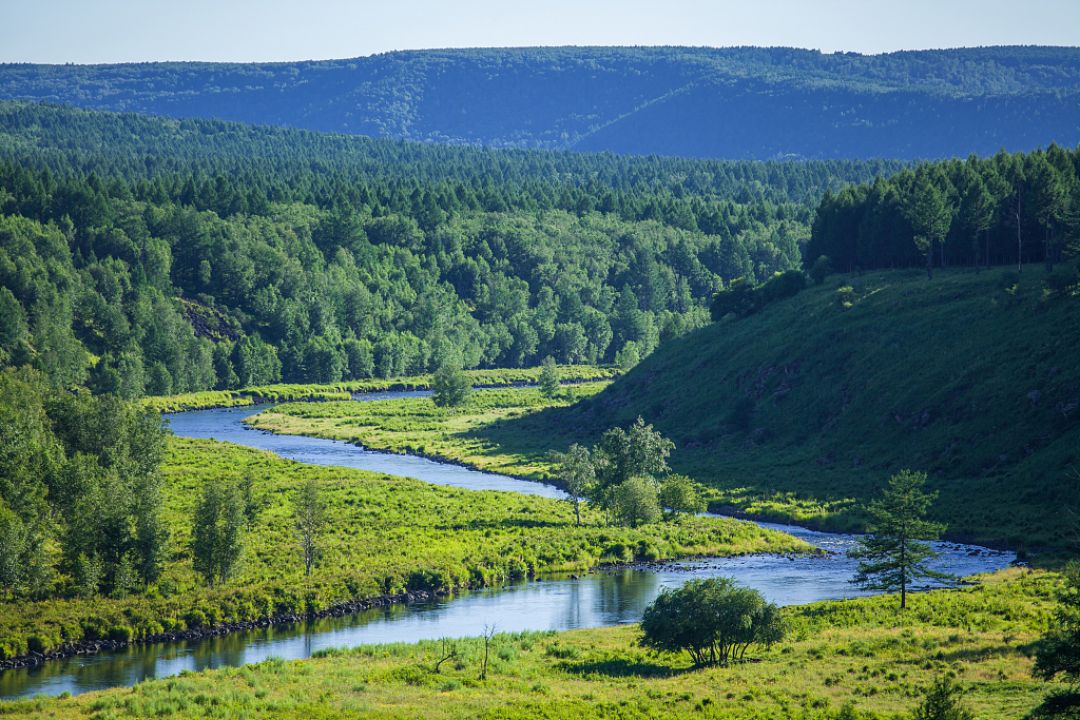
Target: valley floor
863, 653
390, 535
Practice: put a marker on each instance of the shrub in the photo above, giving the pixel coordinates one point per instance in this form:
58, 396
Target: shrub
714, 620
679, 495
429, 580
121, 633
942, 702
821, 269
36, 644
737, 300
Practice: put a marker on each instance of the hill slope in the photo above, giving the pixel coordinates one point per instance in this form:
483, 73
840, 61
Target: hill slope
703, 102
805, 409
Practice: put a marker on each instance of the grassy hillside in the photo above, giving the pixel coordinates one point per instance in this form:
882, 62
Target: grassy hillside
803, 410
858, 653
705, 102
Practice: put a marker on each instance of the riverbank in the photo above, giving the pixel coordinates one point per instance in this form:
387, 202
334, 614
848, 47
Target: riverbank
391, 535
93, 647
415, 426
863, 653
285, 392
482, 435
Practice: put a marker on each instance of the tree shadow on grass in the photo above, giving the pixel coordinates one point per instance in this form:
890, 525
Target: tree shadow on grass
534, 435
503, 523
625, 667
982, 653
1061, 704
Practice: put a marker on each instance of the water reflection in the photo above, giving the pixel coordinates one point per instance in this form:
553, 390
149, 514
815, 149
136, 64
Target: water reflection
607, 598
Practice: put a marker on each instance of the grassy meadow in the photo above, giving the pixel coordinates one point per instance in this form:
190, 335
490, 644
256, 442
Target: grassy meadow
418, 426
285, 392
386, 535
859, 653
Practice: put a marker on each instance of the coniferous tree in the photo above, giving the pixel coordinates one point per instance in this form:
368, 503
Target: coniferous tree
930, 217
893, 555
450, 385
549, 378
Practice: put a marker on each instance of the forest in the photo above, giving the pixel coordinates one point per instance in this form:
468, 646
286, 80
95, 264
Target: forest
740, 102
141, 255
1008, 209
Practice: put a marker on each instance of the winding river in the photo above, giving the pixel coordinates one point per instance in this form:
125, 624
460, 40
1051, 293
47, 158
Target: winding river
608, 597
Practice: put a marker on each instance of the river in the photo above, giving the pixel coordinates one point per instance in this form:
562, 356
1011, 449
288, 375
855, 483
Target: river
609, 597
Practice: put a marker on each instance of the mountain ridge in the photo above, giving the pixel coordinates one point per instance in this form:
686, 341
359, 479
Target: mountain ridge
739, 103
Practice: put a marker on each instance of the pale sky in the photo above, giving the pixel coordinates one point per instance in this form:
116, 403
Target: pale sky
95, 31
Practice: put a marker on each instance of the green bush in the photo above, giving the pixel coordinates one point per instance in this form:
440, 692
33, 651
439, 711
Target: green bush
741, 299
714, 620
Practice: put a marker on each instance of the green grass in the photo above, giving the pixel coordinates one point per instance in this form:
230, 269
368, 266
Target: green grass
418, 426
863, 652
387, 534
344, 390
803, 410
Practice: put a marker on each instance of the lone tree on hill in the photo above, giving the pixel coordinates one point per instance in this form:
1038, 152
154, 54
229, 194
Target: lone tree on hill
450, 385
892, 555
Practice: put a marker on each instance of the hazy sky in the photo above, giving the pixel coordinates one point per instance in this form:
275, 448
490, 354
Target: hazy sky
85, 31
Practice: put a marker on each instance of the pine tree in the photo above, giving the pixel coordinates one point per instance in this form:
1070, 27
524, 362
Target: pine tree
450, 385
892, 554
930, 216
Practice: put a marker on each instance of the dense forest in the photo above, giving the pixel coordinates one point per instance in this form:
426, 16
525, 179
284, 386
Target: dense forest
749, 103
141, 255
80, 490
1005, 209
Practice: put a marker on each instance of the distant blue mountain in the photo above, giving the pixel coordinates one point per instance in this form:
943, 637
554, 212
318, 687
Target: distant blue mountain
731, 103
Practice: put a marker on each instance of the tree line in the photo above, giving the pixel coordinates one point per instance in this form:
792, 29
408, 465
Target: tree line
80, 491
144, 256
1008, 209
